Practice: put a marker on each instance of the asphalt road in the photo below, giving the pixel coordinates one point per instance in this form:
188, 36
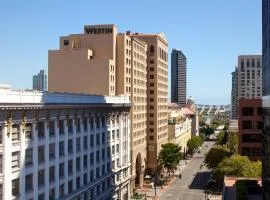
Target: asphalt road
193, 182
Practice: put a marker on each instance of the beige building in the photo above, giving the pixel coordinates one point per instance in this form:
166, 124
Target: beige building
180, 126
85, 63
157, 84
131, 73
102, 61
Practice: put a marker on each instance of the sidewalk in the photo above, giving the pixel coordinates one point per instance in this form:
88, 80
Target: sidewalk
150, 192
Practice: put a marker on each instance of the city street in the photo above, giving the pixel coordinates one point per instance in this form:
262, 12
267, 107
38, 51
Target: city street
193, 182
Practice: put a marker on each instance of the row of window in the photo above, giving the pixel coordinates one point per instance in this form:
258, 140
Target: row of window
249, 124
93, 192
250, 111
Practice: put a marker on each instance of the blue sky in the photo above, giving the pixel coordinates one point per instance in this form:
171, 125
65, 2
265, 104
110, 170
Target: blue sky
211, 33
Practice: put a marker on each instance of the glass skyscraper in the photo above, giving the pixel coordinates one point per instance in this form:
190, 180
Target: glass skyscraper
266, 97
178, 77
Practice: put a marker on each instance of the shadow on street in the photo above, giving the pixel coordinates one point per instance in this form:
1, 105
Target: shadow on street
200, 180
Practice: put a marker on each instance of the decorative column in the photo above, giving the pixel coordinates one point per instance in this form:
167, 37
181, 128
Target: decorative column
47, 159
74, 151
7, 158
35, 159
57, 159
22, 158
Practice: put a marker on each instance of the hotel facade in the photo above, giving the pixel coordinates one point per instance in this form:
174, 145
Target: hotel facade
103, 61
63, 146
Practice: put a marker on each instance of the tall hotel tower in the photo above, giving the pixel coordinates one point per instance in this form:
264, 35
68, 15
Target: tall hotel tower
157, 82
103, 61
266, 98
178, 77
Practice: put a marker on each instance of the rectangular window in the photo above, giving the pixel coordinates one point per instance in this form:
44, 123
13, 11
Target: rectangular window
41, 178
70, 126
66, 42
52, 174
61, 149
28, 182
78, 184
41, 130
113, 134
103, 121
113, 150
51, 129
70, 167
85, 161
91, 175
41, 154
85, 179
103, 170
85, 124
91, 158
52, 151
252, 138
15, 187
91, 123
78, 164
97, 172
28, 131
51, 194
70, 187
28, 157
61, 170
61, 127
108, 152
103, 137
97, 157
117, 148
246, 124
61, 190
78, 127
97, 139
15, 160
70, 147
85, 143
247, 111
97, 123
98, 189
103, 154
78, 144
91, 140
109, 167
41, 196
15, 132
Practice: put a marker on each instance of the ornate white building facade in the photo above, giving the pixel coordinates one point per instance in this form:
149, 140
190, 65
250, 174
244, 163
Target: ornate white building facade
63, 146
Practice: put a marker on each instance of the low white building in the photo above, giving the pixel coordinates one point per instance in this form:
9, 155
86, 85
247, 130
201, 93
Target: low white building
180, 126
63, 146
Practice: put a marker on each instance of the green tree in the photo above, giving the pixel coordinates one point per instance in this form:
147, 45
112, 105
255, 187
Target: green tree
215, 156
221, 138
232, 142
170, 156
194, 143
237, 165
